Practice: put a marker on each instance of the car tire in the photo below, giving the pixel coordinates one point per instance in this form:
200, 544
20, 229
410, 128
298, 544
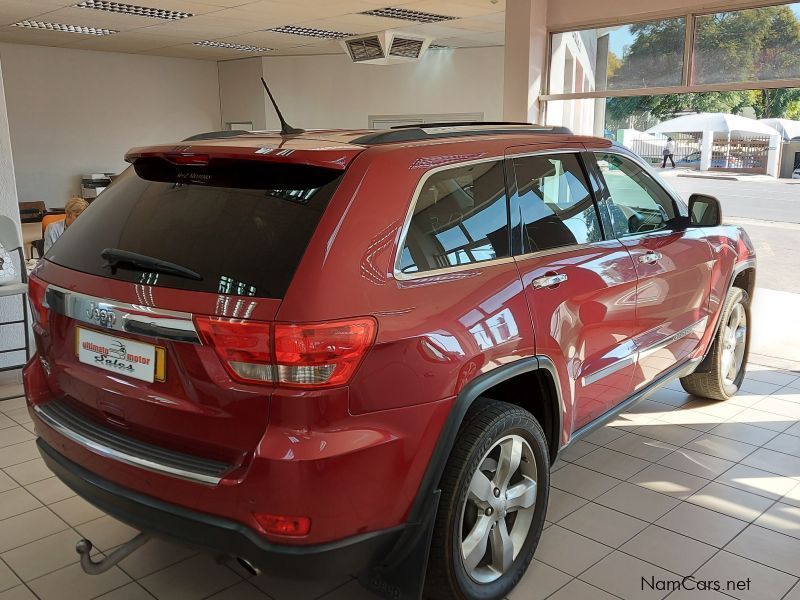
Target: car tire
481, 487
729, 351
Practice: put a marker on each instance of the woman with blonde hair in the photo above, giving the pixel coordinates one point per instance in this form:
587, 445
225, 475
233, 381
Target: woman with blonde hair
72, 209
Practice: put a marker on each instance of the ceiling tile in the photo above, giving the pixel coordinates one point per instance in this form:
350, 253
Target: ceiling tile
121, 42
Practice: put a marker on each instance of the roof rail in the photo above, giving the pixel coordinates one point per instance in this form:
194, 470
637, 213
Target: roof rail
460, 124
216, 135
451, 130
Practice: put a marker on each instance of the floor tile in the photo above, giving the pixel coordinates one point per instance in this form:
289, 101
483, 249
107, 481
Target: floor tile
792, 497
14, 435
794, 594
567, 551
76, 510
773, 376
750, 386
677, 435
665, 480
637, 501
757, 481
696, 463
71, 583
723, 410
131, 591
744, 432
731, 501
6, 482
625, 576
6, 421
702, 524
11, 398
641, 447
21, 592
691, 419
19, 415
670, 550
50, 490
604, 435
30, 471
561, 504
577, 449
7, 577
612, 463
106, 532
539, 582
766, 420
28, 527
582, 482
788, 444
192, 579
768, 547
672, 397
579, 590
18, 453
246, 591
774, 462
16, 501
603, 525
294, 589
154, 556
785, 408
764, 582
783, 518
721, 447
43, 556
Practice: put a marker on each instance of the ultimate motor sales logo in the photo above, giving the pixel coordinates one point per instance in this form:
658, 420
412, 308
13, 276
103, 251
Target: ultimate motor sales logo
116, 356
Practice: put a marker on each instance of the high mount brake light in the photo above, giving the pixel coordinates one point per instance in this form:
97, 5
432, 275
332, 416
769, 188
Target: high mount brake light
304, 355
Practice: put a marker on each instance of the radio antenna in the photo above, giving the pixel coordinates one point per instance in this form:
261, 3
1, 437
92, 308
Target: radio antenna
286, 129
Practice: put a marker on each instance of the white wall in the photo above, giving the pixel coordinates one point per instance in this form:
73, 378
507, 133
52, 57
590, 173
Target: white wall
241, 94
79, 111
330, 91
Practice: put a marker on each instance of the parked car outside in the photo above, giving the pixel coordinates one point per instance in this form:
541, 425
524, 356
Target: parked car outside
361, 351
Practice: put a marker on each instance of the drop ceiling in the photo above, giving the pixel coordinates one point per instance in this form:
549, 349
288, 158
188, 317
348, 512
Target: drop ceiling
231, 29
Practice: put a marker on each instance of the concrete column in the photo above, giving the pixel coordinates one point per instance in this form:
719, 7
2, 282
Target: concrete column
600, 84
706, 147
525, 60
774, 156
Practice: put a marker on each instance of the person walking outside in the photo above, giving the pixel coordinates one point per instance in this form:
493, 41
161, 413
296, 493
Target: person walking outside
669, 151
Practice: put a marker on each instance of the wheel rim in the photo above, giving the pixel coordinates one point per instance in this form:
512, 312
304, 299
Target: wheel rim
733, 344
497, 513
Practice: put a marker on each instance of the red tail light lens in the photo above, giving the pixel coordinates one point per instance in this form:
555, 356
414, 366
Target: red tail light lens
321, 354
282, 525
36, 296
307, 355
243, 346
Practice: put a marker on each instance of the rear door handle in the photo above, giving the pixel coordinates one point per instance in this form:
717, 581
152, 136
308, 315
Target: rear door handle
650, 258
549, 281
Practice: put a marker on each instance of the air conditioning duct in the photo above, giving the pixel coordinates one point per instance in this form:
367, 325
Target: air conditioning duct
386, 47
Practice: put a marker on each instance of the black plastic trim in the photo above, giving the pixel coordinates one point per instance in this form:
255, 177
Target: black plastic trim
418, 133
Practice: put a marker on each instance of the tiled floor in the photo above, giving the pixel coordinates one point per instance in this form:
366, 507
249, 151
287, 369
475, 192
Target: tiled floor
675, 487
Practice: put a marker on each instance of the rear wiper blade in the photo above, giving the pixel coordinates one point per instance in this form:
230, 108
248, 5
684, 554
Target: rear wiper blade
122, 258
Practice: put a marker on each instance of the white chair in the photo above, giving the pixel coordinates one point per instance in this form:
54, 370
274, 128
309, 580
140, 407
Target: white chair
11, 243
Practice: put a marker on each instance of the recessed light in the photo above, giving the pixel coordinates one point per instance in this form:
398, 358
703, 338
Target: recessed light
65, 28
132, 9
229, 46
310, 32
408, 15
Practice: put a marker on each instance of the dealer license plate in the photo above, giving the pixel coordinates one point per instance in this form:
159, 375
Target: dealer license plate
120, 355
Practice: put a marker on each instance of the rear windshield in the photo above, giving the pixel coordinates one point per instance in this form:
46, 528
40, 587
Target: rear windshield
244, 240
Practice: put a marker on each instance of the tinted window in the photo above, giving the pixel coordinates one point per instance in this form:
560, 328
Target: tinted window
241, 241
460, 218
553, 206
636, 202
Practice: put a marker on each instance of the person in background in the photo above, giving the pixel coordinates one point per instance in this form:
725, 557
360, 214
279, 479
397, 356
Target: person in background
669, 151
72, 209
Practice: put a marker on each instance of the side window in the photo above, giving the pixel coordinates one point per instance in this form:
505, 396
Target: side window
637, 203
552, 206
460, 218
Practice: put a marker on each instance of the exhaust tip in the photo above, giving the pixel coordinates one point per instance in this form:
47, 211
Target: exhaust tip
248, 566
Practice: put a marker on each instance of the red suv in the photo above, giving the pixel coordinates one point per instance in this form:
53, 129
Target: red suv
361, 351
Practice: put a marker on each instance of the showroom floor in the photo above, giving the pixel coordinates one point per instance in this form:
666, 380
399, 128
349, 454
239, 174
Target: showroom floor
675, 487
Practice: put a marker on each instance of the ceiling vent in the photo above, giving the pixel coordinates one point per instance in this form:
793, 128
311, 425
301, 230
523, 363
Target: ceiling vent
386, 48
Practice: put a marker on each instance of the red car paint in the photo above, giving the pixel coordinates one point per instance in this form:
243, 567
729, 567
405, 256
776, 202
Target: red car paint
351, 458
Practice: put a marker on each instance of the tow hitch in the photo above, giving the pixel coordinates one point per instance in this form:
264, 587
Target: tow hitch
93, 567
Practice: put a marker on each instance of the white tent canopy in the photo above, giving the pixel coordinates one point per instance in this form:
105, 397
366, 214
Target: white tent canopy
786, 127
716, 122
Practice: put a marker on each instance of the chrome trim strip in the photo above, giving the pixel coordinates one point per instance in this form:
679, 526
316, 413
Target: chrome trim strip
123, 457
609, 369
678, 335
138, 319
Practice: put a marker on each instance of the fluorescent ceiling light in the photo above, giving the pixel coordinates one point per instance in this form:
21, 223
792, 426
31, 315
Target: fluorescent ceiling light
229, 46
407, 15
132, 9
310, 32
65, 28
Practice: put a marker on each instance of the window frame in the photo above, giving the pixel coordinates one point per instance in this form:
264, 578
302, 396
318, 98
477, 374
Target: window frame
676, 201
516, 248
396, 270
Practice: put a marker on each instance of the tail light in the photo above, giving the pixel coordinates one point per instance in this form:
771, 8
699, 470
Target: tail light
306, 355
36, 296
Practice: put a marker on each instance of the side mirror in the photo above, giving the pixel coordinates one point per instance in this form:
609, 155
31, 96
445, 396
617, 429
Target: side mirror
704, 211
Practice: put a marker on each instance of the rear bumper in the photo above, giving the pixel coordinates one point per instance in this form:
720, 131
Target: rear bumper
348, 556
